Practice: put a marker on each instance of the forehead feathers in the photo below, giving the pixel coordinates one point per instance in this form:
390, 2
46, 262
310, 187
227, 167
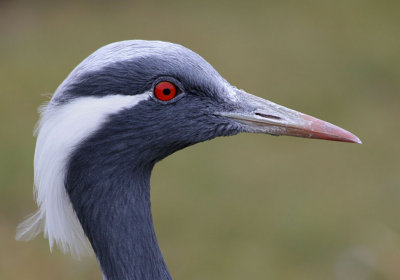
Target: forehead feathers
130, 68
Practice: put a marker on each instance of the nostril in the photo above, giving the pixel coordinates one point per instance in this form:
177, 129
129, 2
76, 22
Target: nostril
268, 116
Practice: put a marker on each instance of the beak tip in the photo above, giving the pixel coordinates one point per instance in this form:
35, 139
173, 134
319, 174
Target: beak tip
356, 140
328, 131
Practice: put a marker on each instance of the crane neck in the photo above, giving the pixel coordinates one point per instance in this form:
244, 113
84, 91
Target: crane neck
113, 206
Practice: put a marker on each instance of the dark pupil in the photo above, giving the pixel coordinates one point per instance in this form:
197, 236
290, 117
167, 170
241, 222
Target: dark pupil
166, 91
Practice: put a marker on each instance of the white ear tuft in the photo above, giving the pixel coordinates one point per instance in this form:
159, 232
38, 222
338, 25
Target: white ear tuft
60, 130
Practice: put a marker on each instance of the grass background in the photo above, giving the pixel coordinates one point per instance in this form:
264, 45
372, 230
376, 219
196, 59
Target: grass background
245, 207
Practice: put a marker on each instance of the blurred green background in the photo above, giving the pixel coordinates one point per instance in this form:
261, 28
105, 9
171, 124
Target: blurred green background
245, 207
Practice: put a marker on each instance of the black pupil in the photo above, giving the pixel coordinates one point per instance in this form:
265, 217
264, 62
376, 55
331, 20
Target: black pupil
166, 91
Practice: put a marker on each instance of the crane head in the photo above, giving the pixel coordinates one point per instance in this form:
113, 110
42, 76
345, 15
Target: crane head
182, 99
131, 104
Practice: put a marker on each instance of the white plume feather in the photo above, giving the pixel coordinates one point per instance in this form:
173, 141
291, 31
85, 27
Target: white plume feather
61, 128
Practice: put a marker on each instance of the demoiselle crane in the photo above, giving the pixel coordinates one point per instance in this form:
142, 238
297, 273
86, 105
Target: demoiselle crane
125, 107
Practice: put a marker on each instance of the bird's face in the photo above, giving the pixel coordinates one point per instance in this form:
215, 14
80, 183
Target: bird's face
179, 100
183, 99
130, 104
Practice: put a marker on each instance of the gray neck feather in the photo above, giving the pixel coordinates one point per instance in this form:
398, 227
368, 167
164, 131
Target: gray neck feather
115, 213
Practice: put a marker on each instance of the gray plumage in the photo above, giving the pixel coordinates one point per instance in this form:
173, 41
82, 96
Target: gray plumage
103, 131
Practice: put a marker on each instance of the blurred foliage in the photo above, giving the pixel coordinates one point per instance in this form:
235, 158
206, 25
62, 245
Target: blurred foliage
244, 207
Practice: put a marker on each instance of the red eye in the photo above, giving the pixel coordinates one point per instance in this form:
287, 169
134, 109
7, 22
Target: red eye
165, 91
